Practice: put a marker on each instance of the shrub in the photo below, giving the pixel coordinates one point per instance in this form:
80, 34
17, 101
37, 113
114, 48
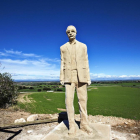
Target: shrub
20, 87
31, 88
59, 90
24, 87
39, 90
46, 88
8, 90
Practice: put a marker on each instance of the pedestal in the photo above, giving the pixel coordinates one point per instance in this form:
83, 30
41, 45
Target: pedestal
60, 132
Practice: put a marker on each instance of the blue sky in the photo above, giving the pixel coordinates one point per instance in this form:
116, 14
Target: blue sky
32, 31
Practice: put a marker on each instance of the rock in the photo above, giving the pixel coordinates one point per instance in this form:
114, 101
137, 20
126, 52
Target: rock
125, 123
50, 115
29, 131
32, 118
21, 120
133, 135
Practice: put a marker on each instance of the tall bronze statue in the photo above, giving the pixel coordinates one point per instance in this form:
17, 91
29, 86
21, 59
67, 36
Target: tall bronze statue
74, 73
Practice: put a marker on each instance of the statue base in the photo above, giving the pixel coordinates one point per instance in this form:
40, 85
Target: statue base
60, 132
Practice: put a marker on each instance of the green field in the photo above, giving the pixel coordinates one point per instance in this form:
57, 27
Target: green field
107, 100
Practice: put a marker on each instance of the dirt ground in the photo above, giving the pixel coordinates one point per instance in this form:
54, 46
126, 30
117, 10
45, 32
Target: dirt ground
24, 98
121, 129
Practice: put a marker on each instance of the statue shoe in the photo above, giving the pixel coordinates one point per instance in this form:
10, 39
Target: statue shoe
72, 131
86, 128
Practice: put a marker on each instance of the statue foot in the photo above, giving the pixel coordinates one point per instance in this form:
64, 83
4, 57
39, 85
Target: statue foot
72, 131
86, 128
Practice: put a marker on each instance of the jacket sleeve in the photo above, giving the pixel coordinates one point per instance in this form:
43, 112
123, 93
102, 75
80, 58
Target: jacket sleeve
62, 66
87, 64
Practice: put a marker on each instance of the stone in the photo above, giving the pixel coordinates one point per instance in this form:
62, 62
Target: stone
32, 118
133, 135
60, 132
29, 131
125, 123
21, 120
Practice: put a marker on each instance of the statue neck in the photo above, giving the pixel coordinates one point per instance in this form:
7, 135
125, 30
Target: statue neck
72, 40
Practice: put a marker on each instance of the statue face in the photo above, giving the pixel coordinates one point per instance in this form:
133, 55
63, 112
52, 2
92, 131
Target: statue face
71, 32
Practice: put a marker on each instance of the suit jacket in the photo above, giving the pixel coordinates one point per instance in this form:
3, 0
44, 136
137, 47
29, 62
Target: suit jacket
81, 61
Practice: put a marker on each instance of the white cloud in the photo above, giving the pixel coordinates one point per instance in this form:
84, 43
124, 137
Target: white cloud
30, 55
104, 76
31, 66
52, 60
10, 61
122, 76
3, 54
39, 62
11, 52
30, 69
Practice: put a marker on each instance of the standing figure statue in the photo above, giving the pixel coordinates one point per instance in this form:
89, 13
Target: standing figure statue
74, 73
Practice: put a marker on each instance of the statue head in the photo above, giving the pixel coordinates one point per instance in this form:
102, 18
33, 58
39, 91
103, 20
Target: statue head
71, 32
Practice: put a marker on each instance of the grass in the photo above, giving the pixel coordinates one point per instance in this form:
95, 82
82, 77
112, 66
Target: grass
105, 100
115, 101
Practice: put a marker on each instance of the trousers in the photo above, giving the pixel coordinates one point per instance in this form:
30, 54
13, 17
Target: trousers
82, 99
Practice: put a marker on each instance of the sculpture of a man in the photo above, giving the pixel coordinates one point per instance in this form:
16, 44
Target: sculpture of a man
74, 73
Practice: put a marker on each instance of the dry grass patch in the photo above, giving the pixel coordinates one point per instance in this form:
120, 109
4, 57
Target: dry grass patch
61, 109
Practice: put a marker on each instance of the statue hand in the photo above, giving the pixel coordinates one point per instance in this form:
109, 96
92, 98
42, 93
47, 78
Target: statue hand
62, 82
89, 83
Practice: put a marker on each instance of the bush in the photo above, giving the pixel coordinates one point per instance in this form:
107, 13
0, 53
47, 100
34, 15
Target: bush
24, 87
46, 88
31, 88
20, 87
8, 90
39, 90
59, 90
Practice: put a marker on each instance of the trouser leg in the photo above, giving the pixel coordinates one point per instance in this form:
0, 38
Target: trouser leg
69, 96
82, 101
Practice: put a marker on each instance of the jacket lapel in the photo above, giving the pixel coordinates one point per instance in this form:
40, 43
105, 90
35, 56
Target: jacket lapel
77, 47
69, 48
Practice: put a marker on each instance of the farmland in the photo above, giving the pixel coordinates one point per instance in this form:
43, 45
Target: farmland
108, 99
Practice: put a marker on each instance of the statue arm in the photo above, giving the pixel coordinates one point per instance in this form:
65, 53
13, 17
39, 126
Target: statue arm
61, 69
87, 66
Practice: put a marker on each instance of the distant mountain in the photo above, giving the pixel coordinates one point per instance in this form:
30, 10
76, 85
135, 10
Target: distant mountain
93, 79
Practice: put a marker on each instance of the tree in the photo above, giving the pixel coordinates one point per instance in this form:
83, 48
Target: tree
8, 90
